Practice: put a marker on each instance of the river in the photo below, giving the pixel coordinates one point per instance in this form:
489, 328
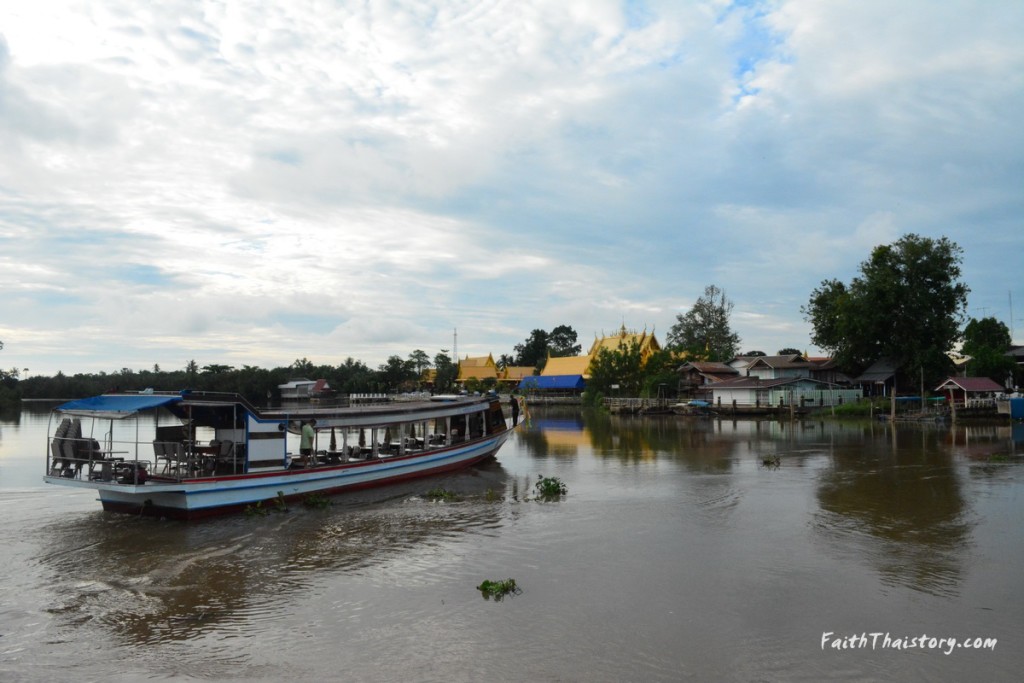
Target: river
682, 550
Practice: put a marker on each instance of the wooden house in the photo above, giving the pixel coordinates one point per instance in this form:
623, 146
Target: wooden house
971, 392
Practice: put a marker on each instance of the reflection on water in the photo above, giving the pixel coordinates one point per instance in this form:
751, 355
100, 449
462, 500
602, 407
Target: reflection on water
900, 506
890, 497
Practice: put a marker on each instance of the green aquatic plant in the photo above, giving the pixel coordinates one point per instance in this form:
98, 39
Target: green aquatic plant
771, 461
315, 500
492, 496
497, 590
549, 487
439, 493
257, 509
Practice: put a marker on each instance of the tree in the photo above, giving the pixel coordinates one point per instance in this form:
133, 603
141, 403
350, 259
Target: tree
661, 375
827, 313
397, 374
351, 377
303, 367
534, 350
906, 305
620, 367
446, 372
216, 369
419, 360
986, 342
789, 352
703, 332
754, 353
562, 342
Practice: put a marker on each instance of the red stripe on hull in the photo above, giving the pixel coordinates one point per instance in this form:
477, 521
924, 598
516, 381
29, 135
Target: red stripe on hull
216, 511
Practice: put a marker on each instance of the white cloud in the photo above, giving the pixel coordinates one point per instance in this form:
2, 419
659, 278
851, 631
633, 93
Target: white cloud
255, 182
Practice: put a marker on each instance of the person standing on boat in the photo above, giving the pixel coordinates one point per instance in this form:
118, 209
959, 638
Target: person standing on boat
306, 442
513, 403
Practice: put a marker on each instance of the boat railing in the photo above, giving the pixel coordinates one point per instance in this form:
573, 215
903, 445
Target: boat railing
368, 399
84, 458
130, 462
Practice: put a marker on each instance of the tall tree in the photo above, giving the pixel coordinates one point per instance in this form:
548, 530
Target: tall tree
191, 370
703, 331
562, 342
907, 305
419, 360
986, 341
789, 351
534, 350
303, 367
446, 371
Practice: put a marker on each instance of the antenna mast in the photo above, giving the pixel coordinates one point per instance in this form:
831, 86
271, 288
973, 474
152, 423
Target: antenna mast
1009, 293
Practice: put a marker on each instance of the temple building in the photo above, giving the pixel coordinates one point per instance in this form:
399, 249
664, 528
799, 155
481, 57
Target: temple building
570, 373
483, 368
647, 342
479, 367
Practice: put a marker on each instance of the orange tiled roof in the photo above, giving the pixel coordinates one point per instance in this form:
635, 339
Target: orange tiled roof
479, 367
517, 372
567, 365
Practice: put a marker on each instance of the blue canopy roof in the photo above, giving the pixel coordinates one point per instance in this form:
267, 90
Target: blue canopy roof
116, 406
552, 382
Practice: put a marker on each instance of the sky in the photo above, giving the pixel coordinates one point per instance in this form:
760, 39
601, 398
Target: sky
252, 183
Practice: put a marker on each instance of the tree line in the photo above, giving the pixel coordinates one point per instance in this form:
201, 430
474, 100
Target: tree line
254, 383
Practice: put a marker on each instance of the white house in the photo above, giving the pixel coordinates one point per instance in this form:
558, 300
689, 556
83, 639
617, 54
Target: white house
799, 391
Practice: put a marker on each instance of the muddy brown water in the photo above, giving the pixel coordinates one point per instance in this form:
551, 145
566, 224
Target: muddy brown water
680, 552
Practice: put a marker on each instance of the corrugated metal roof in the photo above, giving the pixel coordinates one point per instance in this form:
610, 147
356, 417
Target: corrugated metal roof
780, 361
971, 384
553, 382
879, 371
756, 383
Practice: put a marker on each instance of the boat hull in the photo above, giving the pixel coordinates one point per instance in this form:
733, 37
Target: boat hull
198, 498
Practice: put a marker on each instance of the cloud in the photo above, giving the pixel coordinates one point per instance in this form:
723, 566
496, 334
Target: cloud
256, 182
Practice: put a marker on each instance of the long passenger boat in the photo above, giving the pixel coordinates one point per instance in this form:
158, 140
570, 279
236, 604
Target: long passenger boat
193, 454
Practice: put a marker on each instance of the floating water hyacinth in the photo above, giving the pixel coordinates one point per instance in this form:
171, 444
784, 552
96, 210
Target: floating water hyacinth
498, 589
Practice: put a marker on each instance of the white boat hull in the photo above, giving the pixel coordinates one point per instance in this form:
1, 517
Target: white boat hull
196, 498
